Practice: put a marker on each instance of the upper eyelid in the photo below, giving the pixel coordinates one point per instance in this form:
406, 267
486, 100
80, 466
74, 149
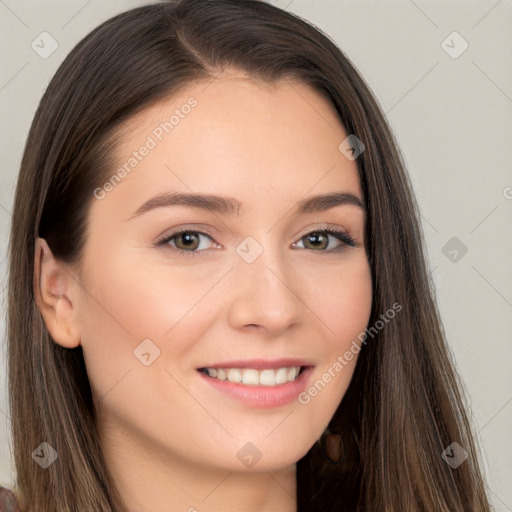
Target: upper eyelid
204, 231
322, 226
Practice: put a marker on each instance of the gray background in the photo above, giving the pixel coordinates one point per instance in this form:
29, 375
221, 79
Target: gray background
452, 118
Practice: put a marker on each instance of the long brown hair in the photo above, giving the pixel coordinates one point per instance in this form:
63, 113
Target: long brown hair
405, 404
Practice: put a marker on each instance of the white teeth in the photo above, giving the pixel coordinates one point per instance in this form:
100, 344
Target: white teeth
281, 375
253, 377
291, 373
268, 378
234, 375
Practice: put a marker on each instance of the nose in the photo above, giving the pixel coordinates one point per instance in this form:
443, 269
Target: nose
265, 295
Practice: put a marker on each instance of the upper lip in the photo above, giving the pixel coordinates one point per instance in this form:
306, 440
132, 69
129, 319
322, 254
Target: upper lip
260, 364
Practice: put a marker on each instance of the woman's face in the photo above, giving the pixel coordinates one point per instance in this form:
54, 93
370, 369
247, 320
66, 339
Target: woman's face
244, 288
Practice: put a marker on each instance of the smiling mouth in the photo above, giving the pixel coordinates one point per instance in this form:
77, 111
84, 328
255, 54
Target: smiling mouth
254, 377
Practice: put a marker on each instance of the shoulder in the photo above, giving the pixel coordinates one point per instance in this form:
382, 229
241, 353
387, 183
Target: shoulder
7, 501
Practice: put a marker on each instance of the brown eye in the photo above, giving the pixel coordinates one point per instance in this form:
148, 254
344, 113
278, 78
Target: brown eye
319, 240
187, 240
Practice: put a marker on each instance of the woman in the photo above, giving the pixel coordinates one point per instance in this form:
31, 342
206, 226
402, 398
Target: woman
294, 362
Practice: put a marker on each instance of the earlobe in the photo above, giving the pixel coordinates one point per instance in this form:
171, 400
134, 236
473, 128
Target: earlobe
55, 296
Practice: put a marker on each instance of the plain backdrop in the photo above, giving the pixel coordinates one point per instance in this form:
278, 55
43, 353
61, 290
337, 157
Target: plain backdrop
447, 97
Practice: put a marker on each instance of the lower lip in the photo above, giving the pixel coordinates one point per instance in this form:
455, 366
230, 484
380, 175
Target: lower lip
263, 397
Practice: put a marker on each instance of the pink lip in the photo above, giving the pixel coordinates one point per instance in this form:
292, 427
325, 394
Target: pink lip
261, 364
263, 397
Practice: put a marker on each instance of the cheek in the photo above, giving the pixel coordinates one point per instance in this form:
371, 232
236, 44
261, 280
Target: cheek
343, 304
120, 309
342, 301
127, 302
140, 302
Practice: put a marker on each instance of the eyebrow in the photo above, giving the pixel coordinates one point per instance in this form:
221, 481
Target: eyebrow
231, 206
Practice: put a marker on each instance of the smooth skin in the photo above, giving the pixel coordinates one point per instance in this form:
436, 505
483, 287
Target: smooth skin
170, 439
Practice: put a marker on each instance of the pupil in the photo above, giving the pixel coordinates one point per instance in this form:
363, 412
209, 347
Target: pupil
314, 239
188, 239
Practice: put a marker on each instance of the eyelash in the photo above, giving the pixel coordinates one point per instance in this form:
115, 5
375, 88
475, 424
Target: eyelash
342, 236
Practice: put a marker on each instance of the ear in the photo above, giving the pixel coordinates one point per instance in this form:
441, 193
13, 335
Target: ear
56, 296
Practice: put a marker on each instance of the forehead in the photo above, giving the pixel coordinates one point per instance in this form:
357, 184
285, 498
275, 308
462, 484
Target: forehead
241, 103
234, 135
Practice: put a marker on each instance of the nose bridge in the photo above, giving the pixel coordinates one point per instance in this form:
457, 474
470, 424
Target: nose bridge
263, 293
